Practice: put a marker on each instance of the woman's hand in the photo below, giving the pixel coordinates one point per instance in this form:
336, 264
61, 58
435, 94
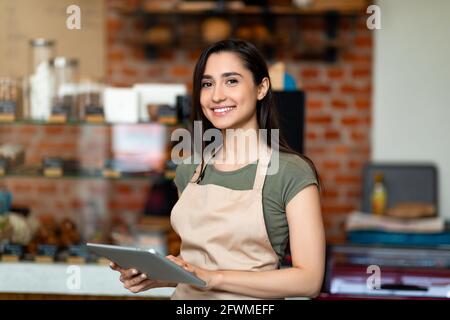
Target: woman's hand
211, 278
135, 281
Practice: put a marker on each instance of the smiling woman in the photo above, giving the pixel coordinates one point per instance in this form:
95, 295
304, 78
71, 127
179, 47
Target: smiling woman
235, 219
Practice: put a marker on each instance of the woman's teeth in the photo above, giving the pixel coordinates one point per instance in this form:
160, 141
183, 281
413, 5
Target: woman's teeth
221, 110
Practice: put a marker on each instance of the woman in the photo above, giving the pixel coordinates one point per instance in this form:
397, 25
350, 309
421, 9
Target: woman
235, 219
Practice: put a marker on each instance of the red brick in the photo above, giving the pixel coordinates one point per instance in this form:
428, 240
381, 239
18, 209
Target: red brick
319, 119
314, 104
138, 54
359, 136
342, 149
138, 26
350, 179
362, 104
193, 55
317, 88
27, 129
311, 136
338, 209
316, 150
332, 135
121, 84
73, 130
361, 73
351, 121
336, 239
363, 41
353, 89
339, 104
116, 57
330, 193
129, 72
357, 165
167, 55
113, 25
180, 71
309, 73
43, 189
361, 25
335, 73
345, 25
356, 58
75, 204
60, 206
312, 23
329, 164
21, 188
54, 130
123, 189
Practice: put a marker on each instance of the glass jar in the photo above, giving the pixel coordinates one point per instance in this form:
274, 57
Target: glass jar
90, 101
40, 84
10, 96
42, 51
65, 76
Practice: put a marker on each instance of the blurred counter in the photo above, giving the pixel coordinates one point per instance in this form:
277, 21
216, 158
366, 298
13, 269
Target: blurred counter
66, 279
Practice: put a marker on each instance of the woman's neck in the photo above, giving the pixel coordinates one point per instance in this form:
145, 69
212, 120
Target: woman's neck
240, 147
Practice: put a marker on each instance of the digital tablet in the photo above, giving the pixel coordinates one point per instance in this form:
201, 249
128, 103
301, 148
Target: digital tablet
155, 265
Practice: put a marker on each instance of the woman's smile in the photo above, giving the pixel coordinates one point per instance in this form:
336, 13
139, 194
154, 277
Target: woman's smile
221, 111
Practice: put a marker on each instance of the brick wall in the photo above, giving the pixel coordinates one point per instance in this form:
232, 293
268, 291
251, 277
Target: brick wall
338, 98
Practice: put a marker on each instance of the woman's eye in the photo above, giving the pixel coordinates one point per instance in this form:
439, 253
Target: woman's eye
232, 81
206, 84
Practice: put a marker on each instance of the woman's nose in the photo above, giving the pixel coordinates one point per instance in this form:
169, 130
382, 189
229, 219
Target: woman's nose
218, 94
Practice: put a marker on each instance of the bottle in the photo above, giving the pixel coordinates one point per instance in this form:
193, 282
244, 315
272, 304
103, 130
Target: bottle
65, 79
5, 200
40, 84
379, 195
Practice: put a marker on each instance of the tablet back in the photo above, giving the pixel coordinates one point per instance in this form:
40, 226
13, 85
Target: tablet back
156, 266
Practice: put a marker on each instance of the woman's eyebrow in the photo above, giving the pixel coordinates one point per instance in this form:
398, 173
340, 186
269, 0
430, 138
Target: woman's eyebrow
224, 75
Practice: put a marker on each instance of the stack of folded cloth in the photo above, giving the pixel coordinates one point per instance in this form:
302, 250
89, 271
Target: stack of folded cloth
409, 223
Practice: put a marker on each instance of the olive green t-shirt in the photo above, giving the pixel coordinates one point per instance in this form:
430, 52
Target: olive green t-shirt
292, 176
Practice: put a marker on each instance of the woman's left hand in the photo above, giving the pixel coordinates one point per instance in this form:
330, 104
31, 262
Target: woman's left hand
210, 277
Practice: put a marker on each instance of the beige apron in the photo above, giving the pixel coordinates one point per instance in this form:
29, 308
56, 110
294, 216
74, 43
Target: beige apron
223, 229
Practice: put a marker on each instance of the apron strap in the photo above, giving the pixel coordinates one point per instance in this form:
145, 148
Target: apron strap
265, 154
199, 170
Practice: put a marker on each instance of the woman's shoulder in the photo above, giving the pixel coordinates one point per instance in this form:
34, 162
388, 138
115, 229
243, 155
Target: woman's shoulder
184, 173
293, 163
292, 175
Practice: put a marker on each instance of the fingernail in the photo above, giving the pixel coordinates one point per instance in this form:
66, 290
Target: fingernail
143, 276
135, 271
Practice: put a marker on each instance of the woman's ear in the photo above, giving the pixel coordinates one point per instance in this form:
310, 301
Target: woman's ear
263, 88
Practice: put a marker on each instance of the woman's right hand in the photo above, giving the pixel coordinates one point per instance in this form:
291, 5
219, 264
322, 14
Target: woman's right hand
135, 281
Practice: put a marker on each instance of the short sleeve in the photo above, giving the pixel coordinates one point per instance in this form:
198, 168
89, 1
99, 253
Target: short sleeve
297, 175
183, 174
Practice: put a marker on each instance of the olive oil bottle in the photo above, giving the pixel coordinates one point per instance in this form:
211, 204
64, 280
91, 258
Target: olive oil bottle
379, 195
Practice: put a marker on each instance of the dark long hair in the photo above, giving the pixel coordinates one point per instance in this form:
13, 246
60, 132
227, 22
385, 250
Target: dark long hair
252, 60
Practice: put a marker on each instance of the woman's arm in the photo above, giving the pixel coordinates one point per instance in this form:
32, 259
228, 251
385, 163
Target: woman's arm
304, 278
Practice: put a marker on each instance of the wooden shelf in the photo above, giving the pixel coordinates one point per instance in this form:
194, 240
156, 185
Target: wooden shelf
317, 7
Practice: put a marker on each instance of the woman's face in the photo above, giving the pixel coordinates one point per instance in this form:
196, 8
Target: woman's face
228, 93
